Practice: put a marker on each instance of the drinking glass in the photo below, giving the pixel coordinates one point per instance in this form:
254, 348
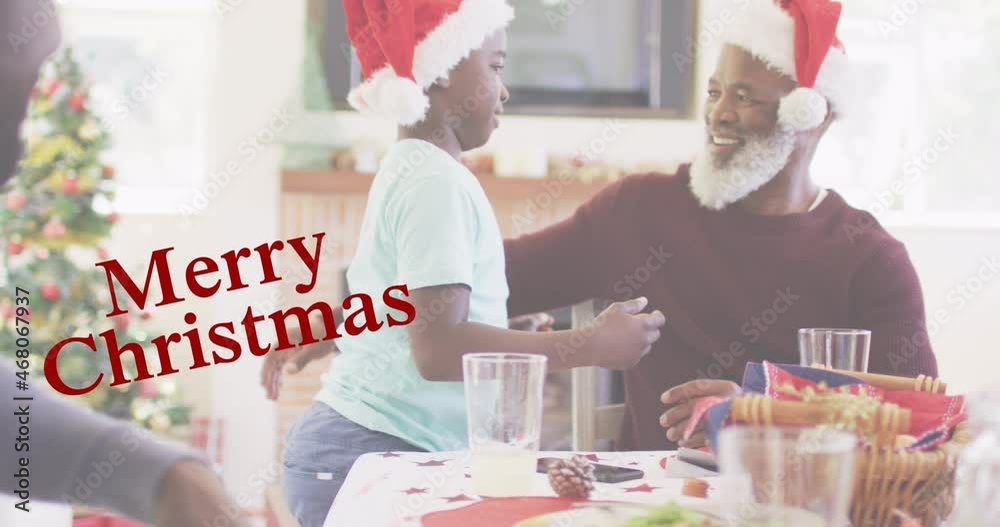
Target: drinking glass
842, 349
775, 474
503, 394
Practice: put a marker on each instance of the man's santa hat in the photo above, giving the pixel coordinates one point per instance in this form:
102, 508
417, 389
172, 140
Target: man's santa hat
404, 46
798, 38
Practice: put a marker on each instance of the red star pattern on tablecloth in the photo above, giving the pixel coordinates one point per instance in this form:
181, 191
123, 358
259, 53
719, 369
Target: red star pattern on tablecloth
389, 454
431, 463
460, 497
415, 491
641, 488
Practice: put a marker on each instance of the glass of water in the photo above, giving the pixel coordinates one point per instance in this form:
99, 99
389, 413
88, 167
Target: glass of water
503, 397
780, 476
841, 349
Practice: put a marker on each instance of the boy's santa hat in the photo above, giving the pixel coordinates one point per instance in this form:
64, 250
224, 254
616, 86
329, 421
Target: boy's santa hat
798, 38
406, 45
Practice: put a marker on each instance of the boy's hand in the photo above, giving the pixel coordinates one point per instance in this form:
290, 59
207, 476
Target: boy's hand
683, 398
533, 322
291, 361
622, 334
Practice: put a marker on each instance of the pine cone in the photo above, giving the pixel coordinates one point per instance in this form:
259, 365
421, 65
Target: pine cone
572, 478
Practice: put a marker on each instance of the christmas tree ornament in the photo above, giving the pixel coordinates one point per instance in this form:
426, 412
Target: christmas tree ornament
89, 130
51, 87
54, 229
148, 389
121, 322
16, 200
107, 172
51, 292
113, 218
70, 185
102, 254
572, 478
15, 248
78, 102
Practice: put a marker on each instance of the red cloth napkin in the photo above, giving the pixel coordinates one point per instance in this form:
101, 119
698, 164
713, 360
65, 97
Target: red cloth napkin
497, 512
932, 415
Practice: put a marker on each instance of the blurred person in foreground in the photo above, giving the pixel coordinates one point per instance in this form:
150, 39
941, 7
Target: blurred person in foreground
68, 445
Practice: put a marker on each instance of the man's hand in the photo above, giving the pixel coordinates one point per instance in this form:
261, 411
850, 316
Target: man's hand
192, 495
533, 322
683, 398
622, 334
289, 362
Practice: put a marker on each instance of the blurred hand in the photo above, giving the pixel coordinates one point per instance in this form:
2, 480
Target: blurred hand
683, 399
532, 322
192, 495
289, 362
622, 334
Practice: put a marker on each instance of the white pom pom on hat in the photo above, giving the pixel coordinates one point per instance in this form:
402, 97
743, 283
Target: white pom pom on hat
802, 109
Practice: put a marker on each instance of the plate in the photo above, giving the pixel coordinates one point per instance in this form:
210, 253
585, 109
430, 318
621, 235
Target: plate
618, 514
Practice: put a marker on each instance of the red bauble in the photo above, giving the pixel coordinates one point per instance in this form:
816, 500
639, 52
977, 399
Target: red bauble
54, 229
71, 185
121, 322
148, 389
108, 172
51, 292
7, 311
15, 248
78, 102
16, 201
52, 87
145, 315
113, 218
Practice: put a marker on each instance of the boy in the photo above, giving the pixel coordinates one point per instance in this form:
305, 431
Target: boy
432, 66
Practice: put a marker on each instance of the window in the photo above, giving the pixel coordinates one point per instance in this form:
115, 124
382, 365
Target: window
151, 64
923, 140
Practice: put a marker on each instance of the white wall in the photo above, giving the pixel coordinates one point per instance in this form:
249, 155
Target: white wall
962, 300
257, 70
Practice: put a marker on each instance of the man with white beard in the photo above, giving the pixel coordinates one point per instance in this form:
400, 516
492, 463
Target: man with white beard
740, 249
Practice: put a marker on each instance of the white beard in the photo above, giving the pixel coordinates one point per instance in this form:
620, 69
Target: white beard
719, 183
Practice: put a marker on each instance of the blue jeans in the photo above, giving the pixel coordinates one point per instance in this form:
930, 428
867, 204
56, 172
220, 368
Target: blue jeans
319, 451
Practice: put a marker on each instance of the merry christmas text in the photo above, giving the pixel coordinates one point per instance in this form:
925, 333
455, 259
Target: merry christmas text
204, 278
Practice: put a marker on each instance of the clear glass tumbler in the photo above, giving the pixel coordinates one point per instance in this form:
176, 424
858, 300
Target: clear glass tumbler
776, 474
503, 394
841, 349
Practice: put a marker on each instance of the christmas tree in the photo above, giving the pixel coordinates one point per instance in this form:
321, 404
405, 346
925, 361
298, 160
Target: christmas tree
57, 210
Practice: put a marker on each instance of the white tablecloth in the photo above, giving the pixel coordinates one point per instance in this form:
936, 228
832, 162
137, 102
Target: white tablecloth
396, 489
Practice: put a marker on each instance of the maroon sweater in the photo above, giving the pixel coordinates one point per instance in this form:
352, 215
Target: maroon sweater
734, 286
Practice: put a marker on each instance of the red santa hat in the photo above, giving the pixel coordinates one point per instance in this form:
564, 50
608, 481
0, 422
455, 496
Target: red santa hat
404, 46
798, 38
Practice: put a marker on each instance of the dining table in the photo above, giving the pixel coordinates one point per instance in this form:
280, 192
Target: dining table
419, 489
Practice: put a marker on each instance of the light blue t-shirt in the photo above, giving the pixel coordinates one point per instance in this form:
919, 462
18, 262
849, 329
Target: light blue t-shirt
427, 223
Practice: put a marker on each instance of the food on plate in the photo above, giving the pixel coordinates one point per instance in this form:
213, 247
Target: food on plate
671, 515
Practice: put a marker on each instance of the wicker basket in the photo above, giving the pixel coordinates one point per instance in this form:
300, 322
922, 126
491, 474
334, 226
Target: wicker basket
918, 484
